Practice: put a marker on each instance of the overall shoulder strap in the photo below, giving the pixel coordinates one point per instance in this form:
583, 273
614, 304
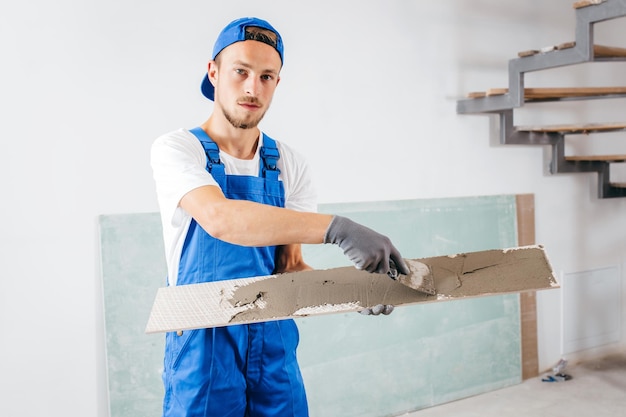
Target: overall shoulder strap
213, 163
268, 168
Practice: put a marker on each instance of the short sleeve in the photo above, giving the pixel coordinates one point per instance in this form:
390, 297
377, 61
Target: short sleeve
178, 166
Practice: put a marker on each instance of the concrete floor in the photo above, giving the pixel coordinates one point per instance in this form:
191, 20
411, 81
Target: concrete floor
597, 388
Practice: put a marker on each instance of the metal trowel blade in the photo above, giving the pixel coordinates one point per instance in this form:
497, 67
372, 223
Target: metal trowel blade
420, 277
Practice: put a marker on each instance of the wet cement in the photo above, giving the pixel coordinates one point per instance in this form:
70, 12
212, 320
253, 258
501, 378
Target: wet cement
458, 276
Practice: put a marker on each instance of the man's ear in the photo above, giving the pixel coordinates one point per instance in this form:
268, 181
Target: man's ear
212, 72
277, 80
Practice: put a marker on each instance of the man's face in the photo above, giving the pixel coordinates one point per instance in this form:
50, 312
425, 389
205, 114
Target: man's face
245, 77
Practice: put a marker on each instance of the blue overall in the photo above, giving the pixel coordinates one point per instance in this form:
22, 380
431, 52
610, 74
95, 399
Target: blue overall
239, 370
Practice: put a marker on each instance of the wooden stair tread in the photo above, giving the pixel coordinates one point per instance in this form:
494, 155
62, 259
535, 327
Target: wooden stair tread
476, 94
593, 158
547, 49
574, 128
603, 51
618, 184
562, 92
584, 3
554, 92
599, 51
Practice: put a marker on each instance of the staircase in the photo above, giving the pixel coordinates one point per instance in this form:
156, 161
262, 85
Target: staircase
504, 101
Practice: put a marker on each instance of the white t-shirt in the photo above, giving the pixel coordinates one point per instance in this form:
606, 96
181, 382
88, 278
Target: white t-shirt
179, 165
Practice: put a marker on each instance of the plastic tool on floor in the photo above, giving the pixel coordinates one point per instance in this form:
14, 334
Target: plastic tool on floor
559, 374
557, 378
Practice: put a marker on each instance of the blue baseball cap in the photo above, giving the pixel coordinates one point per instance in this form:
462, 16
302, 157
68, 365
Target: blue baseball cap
235, 31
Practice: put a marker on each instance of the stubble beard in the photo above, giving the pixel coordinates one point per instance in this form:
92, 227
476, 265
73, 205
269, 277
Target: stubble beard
242, 123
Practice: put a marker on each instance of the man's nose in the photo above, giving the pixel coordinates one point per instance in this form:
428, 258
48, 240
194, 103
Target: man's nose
251, 86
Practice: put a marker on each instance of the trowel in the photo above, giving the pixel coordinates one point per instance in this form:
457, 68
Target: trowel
420, 277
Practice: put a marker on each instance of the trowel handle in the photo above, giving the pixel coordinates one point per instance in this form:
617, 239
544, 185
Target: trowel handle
393, 270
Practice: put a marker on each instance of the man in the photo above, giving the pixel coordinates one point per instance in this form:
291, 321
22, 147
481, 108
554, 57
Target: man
235, 203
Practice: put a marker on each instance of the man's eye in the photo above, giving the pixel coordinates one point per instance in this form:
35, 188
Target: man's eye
240, 71
267, 77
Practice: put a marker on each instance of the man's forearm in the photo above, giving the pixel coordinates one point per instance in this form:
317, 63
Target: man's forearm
253, 224
247, 223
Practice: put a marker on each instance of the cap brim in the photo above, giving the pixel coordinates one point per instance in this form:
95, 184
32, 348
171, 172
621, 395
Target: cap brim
207, 88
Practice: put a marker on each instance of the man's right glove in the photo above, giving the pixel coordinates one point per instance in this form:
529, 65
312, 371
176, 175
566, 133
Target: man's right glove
367, 249
385, 309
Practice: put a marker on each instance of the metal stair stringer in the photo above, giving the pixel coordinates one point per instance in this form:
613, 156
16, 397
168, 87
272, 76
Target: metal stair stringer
559, 164
510, 135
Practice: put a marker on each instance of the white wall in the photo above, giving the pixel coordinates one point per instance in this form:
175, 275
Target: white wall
368, 93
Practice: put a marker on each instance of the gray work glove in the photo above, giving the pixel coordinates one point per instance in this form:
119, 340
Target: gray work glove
367, 249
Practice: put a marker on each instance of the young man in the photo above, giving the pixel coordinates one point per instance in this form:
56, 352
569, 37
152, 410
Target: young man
235, 203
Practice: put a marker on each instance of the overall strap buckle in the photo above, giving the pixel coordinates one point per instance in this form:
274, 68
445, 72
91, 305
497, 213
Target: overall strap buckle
213, 164
269, 159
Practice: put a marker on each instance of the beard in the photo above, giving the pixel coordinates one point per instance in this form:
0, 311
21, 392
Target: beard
248, 122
